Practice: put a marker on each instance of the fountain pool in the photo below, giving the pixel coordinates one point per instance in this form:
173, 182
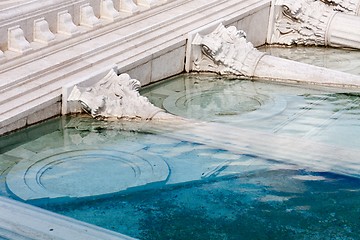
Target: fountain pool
296, 178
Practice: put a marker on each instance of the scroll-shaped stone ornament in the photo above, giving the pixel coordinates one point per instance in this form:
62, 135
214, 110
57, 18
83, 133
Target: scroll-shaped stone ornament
225, 51
87, 17
115, 96
65, 25
108, 11
313, 22
128, 6
17, 41
42, 33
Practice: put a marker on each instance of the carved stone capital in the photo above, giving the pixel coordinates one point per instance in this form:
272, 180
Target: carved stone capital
301, 22
115, 96
225, 51
315, 22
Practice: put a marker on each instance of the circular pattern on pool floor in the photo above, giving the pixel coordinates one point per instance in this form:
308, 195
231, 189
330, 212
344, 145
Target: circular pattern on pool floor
223, 105
84, 173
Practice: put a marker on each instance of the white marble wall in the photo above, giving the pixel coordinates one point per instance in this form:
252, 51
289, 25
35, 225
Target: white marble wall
161, 65
255, 24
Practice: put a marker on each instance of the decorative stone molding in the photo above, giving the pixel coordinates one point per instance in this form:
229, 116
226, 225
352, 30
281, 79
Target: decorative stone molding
107, 10
87, 17
128, 6
115, 96
347, 6
225, 51
65, 24
17, 41
42, 32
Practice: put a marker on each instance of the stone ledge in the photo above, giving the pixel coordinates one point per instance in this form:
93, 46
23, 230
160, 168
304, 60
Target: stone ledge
22, 221
29, 113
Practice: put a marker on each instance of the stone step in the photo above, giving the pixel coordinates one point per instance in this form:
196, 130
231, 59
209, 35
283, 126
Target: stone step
22, 221
120, 38
35, 110
60, 76
142, 26
23, 16
27, 98
135, 41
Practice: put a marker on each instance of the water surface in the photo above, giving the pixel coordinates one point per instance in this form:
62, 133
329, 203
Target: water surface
258, 160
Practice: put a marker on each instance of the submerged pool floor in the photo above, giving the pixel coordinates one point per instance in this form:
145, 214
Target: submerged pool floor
171, 184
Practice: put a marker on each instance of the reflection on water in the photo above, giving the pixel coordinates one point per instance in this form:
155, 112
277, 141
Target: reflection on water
321, 115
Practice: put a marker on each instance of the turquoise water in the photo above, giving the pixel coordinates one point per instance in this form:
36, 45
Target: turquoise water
276, 162
276, 204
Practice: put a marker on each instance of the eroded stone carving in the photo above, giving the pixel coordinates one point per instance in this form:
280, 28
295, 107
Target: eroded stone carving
315, 22
225, 51
115, 96
302, 22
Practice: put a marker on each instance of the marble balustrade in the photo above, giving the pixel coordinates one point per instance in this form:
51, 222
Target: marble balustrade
36, 25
